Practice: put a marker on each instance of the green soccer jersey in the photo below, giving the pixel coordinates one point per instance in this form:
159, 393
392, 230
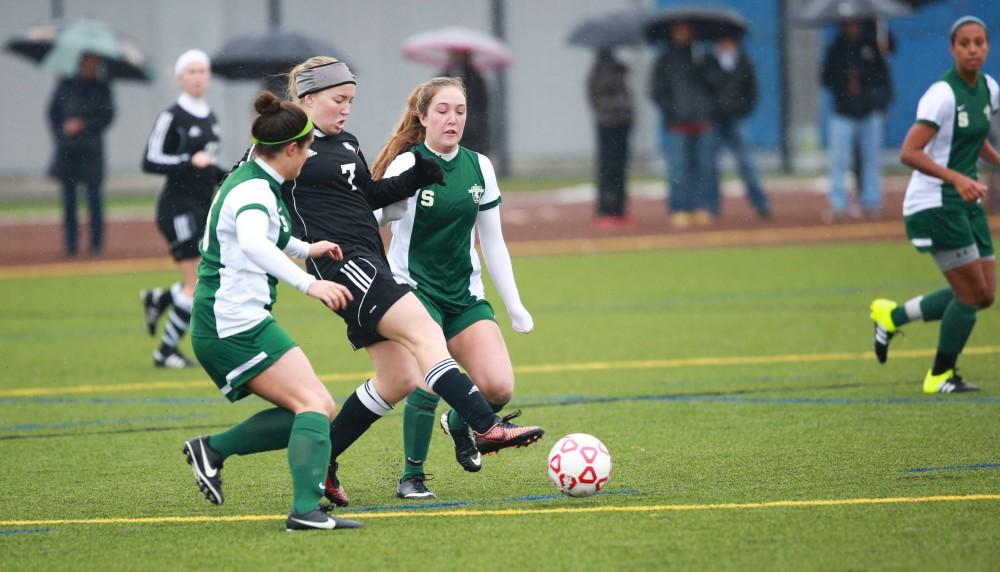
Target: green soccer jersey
234, 294
961, 113
433, 245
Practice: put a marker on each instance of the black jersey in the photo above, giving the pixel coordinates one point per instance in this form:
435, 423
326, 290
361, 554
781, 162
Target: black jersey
176, 137
334, 196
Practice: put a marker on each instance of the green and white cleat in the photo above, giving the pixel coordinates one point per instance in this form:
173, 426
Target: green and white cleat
881, 314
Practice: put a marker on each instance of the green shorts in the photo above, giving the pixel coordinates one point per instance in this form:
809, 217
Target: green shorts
950, 227
452, 323
232, 362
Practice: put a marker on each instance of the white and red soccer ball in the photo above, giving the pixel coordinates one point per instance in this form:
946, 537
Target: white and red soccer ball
579, 465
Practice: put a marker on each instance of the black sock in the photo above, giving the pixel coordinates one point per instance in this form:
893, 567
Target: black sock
364, 407
446, 380
943, 362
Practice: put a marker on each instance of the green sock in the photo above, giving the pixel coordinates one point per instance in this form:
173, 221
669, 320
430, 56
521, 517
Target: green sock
933, 305
929, 307
308, 458
418, 426
266, 430
956, 326
455, 422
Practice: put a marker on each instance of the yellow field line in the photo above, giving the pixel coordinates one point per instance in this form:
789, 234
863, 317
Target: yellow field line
526, 369
521, 512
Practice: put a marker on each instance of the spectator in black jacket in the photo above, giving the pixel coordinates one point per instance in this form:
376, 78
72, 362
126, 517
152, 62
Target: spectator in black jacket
611, 102
731, 75
857, 76
80, 111
681, 95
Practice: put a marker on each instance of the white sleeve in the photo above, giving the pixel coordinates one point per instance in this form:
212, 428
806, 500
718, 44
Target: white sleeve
396, 210
491, 193
296, 248
251, 231
937, 106
994, 89
501, 270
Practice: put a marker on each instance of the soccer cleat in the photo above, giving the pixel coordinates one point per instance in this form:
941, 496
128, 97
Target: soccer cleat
332, 489
413, 488
466, 452
881, 314
172, 360
505, 434
317, 520
947, 382
206, 464
154, 303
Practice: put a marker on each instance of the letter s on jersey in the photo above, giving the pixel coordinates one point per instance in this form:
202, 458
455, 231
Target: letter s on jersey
427, 198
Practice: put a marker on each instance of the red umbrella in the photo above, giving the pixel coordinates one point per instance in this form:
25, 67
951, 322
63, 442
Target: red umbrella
434, 47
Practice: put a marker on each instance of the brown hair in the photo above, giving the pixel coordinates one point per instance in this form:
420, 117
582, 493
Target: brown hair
409, 131
293, 76
278, 121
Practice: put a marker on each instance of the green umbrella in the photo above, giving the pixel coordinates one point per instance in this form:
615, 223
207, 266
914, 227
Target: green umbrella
122, 56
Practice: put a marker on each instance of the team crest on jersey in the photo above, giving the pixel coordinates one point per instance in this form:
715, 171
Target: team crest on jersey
350, 147
477, 193
194, 131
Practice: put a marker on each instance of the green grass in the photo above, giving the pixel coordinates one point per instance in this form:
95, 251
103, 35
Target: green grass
680, 432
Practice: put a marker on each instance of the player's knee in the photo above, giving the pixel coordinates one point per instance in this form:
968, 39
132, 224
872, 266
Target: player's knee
497, 390
986, 299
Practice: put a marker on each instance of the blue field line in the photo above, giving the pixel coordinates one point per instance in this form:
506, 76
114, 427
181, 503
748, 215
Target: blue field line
573, 400
113, 400
98, 422
22, 531
952, 468
453, 504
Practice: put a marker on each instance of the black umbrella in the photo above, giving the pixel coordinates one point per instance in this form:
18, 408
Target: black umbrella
123, 59
820, 12
623, 28
260, 57
709, 23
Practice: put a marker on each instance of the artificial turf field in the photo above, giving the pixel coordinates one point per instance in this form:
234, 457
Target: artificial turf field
749, 425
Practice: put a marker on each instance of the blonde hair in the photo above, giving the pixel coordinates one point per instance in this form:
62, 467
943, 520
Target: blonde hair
409, 131
293, 76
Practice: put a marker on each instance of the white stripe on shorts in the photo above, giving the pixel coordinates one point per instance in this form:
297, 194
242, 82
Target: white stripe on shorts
240, 370
921, 242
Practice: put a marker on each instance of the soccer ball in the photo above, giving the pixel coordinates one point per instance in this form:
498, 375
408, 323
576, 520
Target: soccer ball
579, 465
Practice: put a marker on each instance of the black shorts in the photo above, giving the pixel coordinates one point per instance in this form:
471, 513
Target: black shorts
182, 224
374, 289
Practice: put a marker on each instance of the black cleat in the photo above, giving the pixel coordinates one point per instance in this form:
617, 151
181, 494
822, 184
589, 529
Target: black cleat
332, 489
505, 434
317, 520
413, 488
172, 360
206, 464
154, 303
466, 452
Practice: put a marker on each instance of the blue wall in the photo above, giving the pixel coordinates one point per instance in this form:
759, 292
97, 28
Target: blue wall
921, 57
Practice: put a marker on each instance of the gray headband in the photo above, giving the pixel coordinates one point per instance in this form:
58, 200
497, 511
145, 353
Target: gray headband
315, 79
967, 20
